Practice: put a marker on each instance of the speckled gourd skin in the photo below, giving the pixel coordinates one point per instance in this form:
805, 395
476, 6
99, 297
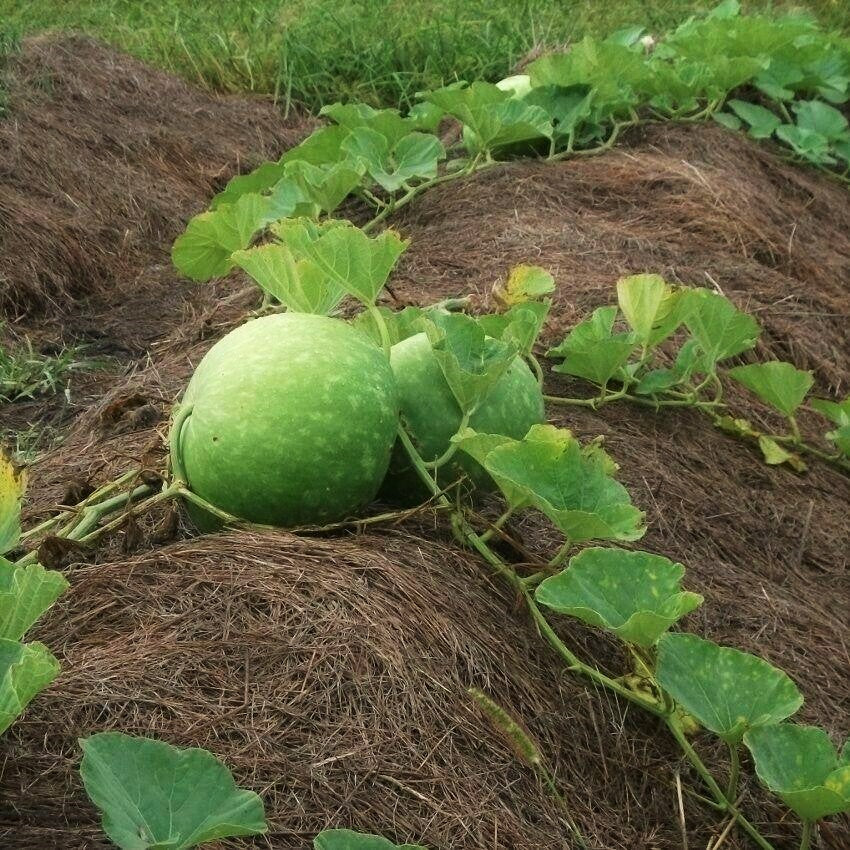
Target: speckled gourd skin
293, 421
432, 416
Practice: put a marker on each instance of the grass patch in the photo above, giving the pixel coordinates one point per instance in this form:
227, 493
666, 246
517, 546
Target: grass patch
25, 373
312, 52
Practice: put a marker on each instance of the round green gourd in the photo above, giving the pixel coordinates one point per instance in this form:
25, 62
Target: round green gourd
432, 416
293, 419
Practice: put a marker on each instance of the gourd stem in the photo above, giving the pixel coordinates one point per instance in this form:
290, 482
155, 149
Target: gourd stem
76, 509
725, 802
450, 452
375, 313
734, 772
497, 526
177, 468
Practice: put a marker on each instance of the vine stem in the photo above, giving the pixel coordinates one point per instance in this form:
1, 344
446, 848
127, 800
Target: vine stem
573, 662
734, 772
806, 836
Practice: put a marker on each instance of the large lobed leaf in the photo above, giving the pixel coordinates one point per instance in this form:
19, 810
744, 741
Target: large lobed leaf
471, 361
25, 594
720, 329
776, 383
345, 254
346, 839
154, 795
593, 351
25, 670
635, 595
573, 487
728, 691
298, 284
800, 765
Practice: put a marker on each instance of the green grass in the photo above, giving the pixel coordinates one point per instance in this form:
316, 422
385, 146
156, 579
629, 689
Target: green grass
312, 52
27, 374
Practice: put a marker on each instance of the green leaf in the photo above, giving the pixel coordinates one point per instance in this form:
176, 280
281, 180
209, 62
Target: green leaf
414, 156
301, 286
520, 325
838, 412
841, 438
478, 446
154, 795
650, 307
25, 670
387, 122
574, 488
635, 595
720, 329
25, 594
728, 691
345, 839
776, 383
203, 251
399, 326
327, 186
800, 765
471, 361
492, 115
819, 117
343, 252
727, 120
762, 122
321, 147
808, 144
13, 483
591, 351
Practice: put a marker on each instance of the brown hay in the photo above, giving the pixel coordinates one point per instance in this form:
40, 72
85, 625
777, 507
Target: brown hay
331, 676
157, 643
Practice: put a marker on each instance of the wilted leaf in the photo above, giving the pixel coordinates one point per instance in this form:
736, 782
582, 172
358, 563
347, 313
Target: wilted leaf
345, 839
728, 691
774, 454
635, 595
800, 765
721, 329
25, 670
13, 482
776, 383
841, 438
25, 594
524, 283
573, 488
300, 285
153, 795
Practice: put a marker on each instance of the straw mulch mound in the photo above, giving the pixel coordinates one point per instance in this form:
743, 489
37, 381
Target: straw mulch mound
331, 674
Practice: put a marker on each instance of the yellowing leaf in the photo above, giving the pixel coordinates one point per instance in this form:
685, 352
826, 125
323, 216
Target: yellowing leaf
525, 283
13, 482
